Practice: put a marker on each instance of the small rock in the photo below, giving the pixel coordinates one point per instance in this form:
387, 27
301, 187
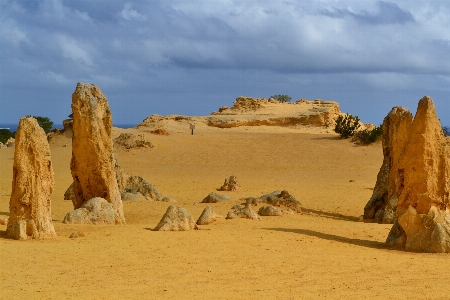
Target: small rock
77, 234
214, 198
3, 221
270, 211
176, 219
168, 199
132, 196
208, 216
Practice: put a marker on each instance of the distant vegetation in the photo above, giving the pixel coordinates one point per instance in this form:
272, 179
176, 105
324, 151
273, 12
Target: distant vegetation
282, 98
366, 137
44, 122
5, 134
446, 130
346, 125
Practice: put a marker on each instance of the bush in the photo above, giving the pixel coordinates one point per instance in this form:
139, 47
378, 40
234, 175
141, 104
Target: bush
44, 122
446, 130
281, 98
346, 125
366, 136
5, 134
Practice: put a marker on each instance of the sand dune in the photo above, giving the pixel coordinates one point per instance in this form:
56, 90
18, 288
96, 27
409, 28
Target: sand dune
323, 253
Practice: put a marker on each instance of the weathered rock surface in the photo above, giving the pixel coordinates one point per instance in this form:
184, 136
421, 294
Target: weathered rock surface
214, 198
208, 216
33, 182
230, 184
269, 210
422, 185
129, 141
94, 211
277, 198
382, 205
3, 221
243, 212
68, 194
176, 219
93, 159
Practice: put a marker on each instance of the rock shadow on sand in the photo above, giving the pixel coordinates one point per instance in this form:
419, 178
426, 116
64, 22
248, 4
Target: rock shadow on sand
335, 216
335, 238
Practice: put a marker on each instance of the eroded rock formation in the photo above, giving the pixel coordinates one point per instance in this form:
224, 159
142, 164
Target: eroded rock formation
93, 159
176, 219
230, 184
421, 184
382, 205
33, 183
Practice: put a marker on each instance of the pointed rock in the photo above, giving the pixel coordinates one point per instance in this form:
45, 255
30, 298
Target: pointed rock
176, 219
208, 216
422, 185
33, 183
93, 159
395, 134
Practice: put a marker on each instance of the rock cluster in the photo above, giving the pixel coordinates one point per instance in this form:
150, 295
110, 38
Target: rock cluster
135, 186
243, 212
93, 159
230, 184
419, 177
176, 219
282, 199
33, 182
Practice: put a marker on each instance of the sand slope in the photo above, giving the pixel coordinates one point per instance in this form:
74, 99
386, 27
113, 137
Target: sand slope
323, 253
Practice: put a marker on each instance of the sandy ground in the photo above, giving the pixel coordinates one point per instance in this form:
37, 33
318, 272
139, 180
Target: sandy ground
324, 253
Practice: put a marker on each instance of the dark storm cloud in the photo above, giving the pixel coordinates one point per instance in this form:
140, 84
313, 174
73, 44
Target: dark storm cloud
388, 13
194, 56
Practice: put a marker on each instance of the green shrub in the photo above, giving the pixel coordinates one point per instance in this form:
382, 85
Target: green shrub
44, 122
5, 134
281, 98
346, 125
366, 136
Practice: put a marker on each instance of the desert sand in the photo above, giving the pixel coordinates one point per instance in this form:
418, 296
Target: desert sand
325, 252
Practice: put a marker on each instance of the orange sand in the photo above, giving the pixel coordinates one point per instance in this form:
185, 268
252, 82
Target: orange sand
323, 253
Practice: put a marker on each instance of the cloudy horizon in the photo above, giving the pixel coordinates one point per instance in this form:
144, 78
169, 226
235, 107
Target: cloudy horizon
192, 57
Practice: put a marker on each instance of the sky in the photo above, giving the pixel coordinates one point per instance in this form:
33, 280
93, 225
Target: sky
192, 57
